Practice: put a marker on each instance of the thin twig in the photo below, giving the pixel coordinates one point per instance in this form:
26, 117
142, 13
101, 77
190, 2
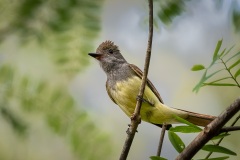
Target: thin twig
136, 119
209, 131
220, 140
230, 129
228, 70
164, 127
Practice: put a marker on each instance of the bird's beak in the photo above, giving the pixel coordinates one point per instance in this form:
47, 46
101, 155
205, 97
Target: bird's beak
95, 55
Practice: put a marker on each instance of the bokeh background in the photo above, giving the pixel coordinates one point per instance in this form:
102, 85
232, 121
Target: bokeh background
53, 103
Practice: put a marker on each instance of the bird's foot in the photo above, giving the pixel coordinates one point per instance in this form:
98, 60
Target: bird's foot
139, 98
144, 100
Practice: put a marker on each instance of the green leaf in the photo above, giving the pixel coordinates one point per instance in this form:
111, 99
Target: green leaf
219, 149
234, 64
198, 67
238, 53
220, 136
228, 51
219, 84
176, 141
217, 50
185, 129
209, 76
216, 158
219, 80
199, 85
179, 119
237, 73
221, 53
157, 158
204, 78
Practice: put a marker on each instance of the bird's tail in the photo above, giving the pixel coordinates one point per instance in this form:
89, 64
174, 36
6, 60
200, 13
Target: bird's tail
198, 119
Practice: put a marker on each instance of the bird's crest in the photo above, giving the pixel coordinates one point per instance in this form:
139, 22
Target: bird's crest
107, 45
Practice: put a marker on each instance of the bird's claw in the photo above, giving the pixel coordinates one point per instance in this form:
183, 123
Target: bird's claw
138, 98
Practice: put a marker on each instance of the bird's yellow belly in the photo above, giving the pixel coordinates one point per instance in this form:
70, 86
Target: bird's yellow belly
125, 95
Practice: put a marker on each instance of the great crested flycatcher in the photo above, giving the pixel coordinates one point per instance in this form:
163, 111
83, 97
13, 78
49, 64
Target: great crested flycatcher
123, 84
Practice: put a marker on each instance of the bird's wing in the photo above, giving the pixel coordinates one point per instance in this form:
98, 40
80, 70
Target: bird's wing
149, 83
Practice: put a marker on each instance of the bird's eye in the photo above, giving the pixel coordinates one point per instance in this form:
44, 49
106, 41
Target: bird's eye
110, 51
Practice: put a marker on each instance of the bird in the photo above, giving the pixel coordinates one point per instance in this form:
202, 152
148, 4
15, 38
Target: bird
123, 85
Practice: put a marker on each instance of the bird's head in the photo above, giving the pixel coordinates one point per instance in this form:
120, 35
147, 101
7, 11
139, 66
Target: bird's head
108, 56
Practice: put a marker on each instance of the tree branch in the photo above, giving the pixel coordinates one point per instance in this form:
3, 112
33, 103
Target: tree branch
136, 119
164, 127
209, 131
229, 129
220, 140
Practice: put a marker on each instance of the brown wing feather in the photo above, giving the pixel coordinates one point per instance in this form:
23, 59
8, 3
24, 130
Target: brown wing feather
197, 118
150, 85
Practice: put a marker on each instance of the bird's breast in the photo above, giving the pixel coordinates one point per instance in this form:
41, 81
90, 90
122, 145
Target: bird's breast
125, 94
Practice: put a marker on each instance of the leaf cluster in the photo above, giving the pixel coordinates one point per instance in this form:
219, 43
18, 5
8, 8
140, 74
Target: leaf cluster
229, 64
168, 10
179, 145
66, 29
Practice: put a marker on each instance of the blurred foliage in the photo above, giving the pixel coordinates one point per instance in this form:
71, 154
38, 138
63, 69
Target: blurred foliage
56, 107
66, 28
236, 15
236, 20
16, 123
169, 9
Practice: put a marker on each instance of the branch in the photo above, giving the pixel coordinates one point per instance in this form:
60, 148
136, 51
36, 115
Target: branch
229, 129
164, 127
220, 140
209, 131
136, 119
